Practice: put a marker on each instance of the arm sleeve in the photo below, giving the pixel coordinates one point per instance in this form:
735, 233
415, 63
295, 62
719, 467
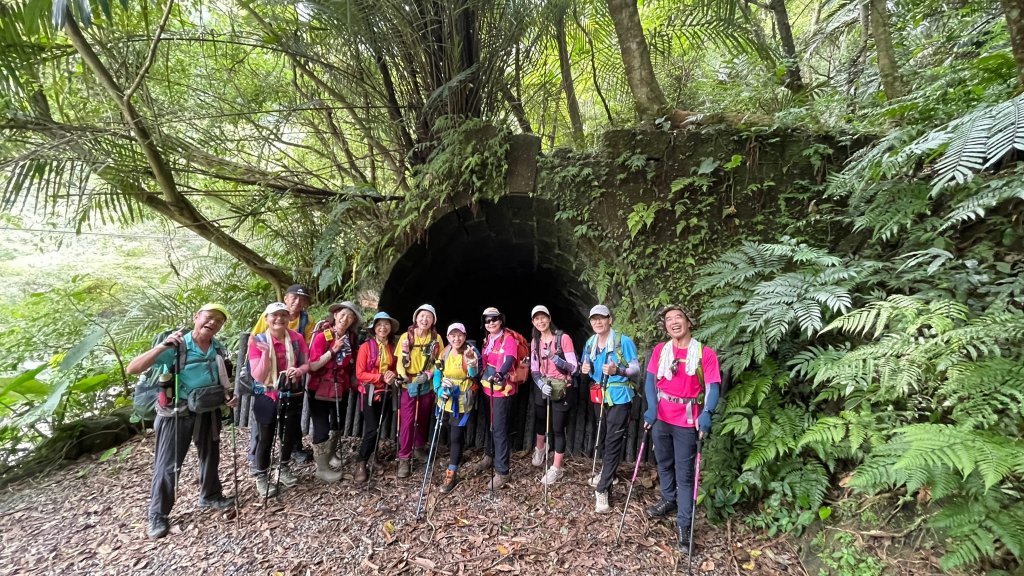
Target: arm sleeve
400, 349
651, 394
711, 394
475, 371
506, 366
569, 351
437, 382
534, 360
538, 379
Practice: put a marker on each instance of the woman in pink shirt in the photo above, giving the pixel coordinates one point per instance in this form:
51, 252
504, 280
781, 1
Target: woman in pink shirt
277, 357
552, 364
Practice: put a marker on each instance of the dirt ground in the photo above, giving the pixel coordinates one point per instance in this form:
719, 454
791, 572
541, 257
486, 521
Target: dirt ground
90, 518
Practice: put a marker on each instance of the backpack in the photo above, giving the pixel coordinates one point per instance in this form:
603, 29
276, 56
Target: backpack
147, 390
558, 346
521, 367
632, 381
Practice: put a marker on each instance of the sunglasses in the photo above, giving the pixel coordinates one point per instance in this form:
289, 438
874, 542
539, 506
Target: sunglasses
491, 319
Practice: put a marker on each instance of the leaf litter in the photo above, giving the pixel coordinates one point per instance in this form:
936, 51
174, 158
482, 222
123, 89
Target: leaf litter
90, 517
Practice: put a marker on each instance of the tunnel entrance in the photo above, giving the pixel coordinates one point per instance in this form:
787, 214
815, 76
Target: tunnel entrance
511, 255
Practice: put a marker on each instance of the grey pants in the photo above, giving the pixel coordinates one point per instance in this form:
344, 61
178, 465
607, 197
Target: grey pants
204, 429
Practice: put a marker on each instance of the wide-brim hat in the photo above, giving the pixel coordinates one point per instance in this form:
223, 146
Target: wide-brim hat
352, 306
385, 316
690, 317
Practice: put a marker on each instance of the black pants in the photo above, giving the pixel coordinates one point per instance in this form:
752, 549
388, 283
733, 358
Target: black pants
559, 420
371, 420
290, 430
204, 429
613, 436
497, 445
456, 434
324, 415
676, 448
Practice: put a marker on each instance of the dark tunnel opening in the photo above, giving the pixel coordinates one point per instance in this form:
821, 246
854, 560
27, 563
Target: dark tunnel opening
511, 255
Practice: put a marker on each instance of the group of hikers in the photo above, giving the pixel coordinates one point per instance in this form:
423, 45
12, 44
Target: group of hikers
424, 375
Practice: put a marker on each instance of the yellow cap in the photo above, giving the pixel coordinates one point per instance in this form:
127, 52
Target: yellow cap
216, 307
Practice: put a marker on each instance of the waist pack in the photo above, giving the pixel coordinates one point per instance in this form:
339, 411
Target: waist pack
206, 399
558, 387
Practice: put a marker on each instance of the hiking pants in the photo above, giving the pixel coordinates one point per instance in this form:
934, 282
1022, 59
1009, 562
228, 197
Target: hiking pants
204, 429
675, 447
413, 421
613, 434
371, 417
323, 414
559, 420
497, 444
289, 430
456, 434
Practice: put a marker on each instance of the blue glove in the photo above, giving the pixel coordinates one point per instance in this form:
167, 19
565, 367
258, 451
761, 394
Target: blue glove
704, 422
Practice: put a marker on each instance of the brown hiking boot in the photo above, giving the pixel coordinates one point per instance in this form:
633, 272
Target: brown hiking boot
403, 468
451, 478
498, 481
360, 474
482, 465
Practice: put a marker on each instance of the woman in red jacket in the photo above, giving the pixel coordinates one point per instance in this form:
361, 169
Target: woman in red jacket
375, 371
332, 368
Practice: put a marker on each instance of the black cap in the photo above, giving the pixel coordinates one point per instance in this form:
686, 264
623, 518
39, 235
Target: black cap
298, 290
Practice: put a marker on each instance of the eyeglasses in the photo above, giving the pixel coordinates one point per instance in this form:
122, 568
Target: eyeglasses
491, 320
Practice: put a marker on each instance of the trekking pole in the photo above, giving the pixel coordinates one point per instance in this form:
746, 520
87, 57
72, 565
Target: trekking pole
380, 422
636, 469
337, 421
490, 484
547, 446
281, 379
174, 406
597, 431
693, 511
234, 460
430, 462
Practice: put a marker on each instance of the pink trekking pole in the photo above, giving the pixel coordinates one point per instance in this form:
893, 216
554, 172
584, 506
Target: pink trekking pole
636, 469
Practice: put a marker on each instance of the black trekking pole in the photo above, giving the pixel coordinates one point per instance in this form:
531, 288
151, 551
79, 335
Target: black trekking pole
597, 431
636, 469
380, 423
693, 511
428, 473
234, 461
281, 379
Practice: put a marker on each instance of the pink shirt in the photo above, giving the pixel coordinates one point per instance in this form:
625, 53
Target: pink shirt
545, 366
255, 354
494, 356
323, 381
683, 385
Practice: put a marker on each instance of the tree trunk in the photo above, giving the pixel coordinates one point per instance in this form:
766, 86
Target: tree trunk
1014, 12
888, 69
171, 202
791, 80
567, 82
636, 58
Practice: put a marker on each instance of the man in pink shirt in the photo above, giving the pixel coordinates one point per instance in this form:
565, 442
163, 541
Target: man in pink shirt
682, 388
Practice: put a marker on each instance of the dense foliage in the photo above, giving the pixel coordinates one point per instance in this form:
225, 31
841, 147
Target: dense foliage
873, 338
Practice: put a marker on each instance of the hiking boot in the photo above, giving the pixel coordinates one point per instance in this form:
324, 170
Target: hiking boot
332, 447
602, 506
264, 488
360, 475
404, 470
662, 508
498, 481
593, 482
451, 478
301, 456
482, 465
158, 527
552, 475
322, 457
538, 457
285, 476
684, 539
218, 502
419, 453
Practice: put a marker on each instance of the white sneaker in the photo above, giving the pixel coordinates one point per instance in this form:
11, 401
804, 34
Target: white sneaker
538, 457
593, 482
552, 475
602, 506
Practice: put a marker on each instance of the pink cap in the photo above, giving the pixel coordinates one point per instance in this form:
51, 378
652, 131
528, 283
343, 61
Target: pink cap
456, 326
